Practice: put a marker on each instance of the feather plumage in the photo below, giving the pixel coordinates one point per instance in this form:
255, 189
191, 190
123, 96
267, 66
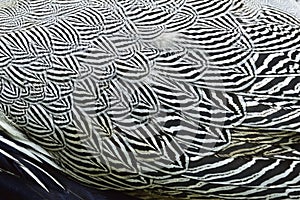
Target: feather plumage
169, 98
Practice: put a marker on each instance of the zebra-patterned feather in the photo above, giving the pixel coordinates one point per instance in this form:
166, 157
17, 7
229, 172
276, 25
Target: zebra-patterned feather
169, 98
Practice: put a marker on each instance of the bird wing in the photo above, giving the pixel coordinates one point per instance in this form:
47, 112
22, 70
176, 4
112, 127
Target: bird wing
136, 94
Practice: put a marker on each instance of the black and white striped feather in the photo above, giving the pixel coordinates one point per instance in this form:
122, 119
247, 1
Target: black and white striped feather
184, 98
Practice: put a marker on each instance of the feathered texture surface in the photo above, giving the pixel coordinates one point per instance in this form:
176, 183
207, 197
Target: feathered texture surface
26, 173
191, 99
